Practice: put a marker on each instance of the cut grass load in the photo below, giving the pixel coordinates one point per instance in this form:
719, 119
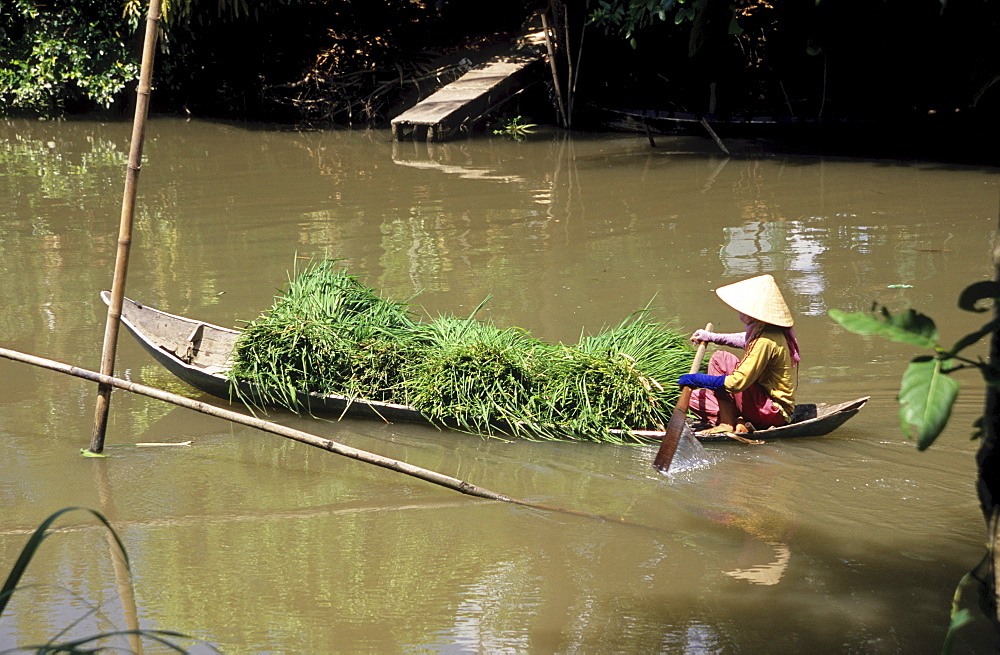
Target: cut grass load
327, 333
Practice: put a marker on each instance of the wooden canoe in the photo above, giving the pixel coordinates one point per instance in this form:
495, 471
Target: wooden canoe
198, 353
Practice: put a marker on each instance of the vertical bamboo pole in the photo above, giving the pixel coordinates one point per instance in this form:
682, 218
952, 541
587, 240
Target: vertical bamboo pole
125, 226
569, 67
563, 122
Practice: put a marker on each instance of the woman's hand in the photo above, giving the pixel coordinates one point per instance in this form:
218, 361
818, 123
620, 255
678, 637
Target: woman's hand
703, 335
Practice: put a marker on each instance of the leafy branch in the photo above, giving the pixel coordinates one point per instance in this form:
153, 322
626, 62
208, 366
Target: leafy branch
926, 393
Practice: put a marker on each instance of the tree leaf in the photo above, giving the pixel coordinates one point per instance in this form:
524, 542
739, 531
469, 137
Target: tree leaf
926, 396
910, 327
959, 619
973, 293
917, 329
856, 322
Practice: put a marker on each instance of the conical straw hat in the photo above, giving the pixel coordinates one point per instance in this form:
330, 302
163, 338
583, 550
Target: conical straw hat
758, 297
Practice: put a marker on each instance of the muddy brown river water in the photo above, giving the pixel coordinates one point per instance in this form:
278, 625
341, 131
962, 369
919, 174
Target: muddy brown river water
854, 542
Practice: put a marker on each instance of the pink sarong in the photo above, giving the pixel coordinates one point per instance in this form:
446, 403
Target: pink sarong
753, 404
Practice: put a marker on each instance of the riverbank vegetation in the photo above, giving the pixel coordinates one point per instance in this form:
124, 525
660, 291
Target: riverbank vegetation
349, 62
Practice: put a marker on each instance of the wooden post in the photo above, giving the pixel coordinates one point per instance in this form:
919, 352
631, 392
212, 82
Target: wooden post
715, 137
570, 86
563, 121
125, 226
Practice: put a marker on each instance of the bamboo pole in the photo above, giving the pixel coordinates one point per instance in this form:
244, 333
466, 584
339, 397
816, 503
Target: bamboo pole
563, 121
576, 72
715, 137
119, 561
570, 86
298, 435
254, 422
125, 226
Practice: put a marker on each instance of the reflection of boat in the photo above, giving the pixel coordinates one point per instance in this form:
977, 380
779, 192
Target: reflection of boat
946, 135
198, 353
743, 125
805, 132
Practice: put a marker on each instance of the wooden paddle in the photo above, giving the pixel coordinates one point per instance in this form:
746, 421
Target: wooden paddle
672, 435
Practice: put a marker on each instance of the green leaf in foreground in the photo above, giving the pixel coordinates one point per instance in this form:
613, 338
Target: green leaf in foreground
909, 327
926, 396
28, 552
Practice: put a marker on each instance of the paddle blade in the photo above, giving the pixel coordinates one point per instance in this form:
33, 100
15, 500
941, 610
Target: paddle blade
690, 454
672, 435
675, 427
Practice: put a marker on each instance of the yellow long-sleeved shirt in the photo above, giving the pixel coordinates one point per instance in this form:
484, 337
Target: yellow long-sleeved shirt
768, 361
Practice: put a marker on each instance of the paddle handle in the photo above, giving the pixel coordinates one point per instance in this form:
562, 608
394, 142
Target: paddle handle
672, 435
699, 354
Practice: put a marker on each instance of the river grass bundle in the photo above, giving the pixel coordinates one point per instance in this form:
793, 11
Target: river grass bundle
327, 333
476, 377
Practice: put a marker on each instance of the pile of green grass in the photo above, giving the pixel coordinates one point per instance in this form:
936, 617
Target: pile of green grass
475, 376
327, 333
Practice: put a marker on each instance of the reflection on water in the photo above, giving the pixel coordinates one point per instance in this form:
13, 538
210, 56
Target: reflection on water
793, 247
855, 540
769, 573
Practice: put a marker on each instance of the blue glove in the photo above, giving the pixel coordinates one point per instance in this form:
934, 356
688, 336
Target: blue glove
702, 380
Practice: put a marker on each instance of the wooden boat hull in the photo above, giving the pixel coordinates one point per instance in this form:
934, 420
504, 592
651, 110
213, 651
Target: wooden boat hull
198, 354
810, 420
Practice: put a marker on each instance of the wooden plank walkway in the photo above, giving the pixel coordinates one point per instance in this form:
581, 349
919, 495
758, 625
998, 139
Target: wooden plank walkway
466, 100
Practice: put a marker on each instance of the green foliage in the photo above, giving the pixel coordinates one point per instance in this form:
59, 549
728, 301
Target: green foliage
926, 393
626, 17
960, 617
909, 327
323, 335
475, 375
328, 334
926, 396
62, 55
10, 587
515, 129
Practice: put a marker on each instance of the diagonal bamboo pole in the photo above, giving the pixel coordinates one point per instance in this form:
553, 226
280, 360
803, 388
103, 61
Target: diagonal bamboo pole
300, 436
125, 226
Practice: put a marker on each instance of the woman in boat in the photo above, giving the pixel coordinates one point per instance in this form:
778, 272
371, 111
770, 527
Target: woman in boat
757, 391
